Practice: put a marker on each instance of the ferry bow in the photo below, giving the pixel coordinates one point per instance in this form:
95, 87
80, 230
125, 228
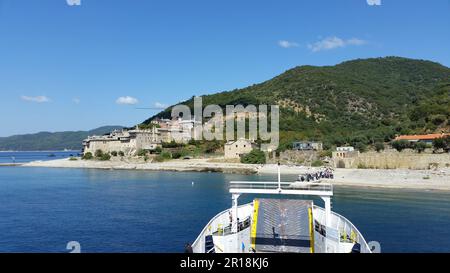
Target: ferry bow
280, 222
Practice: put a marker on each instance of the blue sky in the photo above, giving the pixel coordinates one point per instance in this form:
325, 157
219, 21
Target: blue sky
79, 67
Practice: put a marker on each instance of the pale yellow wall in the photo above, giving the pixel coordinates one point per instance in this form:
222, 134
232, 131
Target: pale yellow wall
237, 148
392, 159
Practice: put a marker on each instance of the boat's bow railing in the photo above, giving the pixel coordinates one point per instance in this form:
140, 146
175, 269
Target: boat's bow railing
221, 220
344, 229
257, 185
300, 188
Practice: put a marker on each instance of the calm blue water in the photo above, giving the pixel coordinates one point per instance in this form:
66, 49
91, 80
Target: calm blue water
22, 157
136, 211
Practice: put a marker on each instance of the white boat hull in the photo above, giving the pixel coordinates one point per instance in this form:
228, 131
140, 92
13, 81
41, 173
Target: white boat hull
340, 234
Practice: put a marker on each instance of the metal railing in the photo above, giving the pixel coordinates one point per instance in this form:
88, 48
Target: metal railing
284, 185
345, 229
199, 242
223, 231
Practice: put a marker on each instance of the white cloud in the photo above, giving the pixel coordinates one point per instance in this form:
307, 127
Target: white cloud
127, 100
38, 99
287, 44
334, 42
374, 2
355, 41
76, 100
73, 2
160, 105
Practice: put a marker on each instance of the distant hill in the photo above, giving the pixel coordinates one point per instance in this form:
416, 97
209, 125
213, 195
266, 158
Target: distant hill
356, 102
46, 141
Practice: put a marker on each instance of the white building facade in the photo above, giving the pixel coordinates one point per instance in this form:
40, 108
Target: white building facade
131, 141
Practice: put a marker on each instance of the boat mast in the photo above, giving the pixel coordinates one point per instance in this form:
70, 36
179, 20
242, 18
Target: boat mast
279, 177
234, 212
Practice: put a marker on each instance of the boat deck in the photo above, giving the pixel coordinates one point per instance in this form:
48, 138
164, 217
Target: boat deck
282, 225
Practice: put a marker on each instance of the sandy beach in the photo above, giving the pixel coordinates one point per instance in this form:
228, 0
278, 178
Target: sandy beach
398, 178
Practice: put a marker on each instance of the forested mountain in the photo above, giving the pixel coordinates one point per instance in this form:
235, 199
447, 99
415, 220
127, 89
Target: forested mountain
357, 102
46, 141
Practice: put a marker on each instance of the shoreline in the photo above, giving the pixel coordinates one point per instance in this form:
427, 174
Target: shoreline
11, 164
193, 165
49, 151
435, 180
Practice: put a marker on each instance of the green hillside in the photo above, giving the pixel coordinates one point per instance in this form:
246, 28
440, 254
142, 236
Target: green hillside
358, 102
46, 141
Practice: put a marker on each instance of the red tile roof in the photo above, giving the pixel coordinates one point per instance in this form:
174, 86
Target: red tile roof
421, 137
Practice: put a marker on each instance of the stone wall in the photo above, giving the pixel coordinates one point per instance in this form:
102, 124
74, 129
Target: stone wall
392, 159
237, 148
296, 157
112, 145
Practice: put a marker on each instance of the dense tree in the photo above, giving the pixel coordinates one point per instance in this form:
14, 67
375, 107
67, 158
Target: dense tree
105, 157
360, 146
361, 101
379, 146
172, 144
88, 156
254, 157
440, 143
420, 146
400, 145
213, 146
98, 153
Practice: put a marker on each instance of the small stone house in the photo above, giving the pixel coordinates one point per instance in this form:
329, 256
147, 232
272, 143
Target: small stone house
344, 156
345, 152
238, 148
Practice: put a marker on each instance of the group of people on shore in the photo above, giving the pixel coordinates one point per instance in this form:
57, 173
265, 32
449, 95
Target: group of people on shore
316, 176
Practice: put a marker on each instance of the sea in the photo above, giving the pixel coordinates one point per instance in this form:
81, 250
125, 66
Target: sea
43, 209
23, 157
